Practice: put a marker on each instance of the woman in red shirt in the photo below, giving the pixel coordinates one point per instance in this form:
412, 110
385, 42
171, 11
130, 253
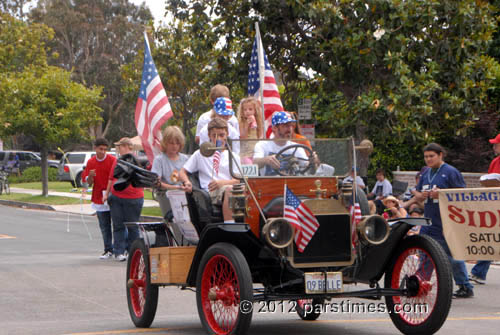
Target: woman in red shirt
125, 204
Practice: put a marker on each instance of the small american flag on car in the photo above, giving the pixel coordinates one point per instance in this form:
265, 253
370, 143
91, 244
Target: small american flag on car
301, 217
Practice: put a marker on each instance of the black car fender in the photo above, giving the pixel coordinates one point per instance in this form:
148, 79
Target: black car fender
237, 234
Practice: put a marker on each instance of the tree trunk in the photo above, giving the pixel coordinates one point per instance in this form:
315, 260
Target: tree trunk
45, 170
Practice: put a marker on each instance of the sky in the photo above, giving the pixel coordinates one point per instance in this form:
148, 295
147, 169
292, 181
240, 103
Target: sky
157, 8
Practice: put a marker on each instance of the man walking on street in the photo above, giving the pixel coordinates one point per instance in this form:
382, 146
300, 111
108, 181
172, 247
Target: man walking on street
96, 174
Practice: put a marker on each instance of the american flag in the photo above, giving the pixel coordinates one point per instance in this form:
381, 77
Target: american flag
152, 109
301, 217
356, 218
217, 154
271, 95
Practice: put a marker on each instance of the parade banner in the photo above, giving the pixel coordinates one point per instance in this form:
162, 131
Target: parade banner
471, 222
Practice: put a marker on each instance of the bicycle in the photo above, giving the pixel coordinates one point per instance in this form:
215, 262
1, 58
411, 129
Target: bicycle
4, 182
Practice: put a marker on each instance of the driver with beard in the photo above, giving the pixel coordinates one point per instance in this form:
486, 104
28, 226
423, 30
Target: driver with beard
289, 162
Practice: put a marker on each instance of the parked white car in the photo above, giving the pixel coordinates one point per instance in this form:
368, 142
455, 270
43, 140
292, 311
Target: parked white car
72, 165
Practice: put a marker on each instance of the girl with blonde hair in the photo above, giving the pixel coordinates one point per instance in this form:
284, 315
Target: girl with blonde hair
251, 126
167, 166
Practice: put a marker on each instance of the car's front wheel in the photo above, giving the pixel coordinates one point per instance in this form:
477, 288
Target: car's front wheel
420, 266
224, 291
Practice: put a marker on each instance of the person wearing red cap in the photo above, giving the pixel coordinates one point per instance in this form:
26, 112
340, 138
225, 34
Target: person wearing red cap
480, 270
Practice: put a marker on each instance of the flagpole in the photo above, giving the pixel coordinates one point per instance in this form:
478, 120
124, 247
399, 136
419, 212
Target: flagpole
262, 69
354, 184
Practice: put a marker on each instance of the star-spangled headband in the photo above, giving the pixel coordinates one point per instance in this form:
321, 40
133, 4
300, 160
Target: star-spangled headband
223, 106
281, 118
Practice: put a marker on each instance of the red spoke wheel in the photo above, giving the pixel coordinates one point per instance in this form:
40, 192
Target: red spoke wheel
309, 309
224, 292
142, 296
421, 266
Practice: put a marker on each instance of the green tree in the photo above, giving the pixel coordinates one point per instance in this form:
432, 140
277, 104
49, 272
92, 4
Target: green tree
45, 103
22, 44
398, 72
93, 39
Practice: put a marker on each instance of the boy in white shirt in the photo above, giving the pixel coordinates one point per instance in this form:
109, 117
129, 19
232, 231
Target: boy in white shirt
215, 92
223, 109
215, 176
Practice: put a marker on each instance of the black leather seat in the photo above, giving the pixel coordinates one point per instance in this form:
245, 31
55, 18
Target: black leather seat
201, 209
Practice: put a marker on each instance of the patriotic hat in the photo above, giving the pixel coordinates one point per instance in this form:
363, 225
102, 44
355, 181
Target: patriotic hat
223, 106
281, 118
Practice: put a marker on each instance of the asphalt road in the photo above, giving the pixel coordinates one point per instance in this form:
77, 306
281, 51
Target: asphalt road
52, 282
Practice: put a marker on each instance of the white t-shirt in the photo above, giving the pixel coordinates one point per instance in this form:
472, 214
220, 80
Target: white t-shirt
204, 166
359, 181
382, 188
233, 134
205, 118
267, 148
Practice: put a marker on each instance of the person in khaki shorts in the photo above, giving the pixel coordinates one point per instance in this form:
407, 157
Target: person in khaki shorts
214, 173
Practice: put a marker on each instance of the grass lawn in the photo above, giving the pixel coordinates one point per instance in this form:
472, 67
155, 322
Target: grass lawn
151, 211
39, 199
64, 186
59, 186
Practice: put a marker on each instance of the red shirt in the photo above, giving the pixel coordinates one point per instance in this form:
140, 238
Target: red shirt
495, 165
128, 193
102, 169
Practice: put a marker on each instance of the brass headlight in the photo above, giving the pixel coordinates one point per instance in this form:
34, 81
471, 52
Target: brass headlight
374, 229
278, 232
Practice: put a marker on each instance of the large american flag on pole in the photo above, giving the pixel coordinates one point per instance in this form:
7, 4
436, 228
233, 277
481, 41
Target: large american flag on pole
301, 217
271, 95
152, 109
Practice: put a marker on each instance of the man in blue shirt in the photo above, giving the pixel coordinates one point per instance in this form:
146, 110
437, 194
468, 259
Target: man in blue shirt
441, 176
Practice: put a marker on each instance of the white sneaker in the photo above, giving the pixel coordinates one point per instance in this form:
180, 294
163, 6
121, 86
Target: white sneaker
106, 255
121, 258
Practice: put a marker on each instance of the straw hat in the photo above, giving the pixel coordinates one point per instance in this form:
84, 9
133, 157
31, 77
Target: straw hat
390, 198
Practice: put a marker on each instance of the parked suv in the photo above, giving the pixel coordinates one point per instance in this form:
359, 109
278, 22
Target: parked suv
72, 165
26, 159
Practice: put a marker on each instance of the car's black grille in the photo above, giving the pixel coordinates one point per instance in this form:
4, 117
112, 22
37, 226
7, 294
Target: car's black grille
330, 243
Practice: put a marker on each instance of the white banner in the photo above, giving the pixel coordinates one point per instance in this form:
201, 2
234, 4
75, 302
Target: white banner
471, 222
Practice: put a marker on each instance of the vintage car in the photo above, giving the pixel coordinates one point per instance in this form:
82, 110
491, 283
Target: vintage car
262, 257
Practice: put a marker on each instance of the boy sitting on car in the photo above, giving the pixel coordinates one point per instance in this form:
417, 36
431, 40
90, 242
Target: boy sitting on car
214, 173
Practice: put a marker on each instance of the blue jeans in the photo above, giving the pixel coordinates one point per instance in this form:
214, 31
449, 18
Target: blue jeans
124, 210
105, 225
458, 267
481, 269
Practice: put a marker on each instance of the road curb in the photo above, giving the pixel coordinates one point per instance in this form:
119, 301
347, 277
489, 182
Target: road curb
26, 205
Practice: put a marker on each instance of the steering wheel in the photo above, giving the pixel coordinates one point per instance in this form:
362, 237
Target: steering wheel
289, 164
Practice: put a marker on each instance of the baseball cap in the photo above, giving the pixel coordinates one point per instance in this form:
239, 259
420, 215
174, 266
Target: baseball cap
495, 140
223, 106
124, 141
281, 118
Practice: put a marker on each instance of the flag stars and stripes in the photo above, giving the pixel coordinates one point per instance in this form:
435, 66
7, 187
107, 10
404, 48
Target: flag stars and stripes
152, 109
301, 217
271, 97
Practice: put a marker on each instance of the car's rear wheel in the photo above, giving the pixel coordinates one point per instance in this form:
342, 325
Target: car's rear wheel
420, 266
309, 309
224, 292
142, 296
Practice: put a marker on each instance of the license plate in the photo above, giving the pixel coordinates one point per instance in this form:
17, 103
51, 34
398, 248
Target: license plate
316, 282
